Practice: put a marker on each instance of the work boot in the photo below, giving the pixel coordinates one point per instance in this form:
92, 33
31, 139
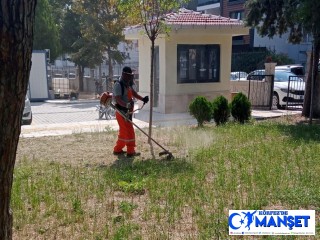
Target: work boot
135, 154
119, 153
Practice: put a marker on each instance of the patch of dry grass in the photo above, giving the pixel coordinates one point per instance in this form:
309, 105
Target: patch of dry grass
72, 187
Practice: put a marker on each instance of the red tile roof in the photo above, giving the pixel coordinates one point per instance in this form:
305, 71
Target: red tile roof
189, 17
185, 18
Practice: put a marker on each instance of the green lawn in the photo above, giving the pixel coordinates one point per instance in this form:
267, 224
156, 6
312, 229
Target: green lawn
260, 165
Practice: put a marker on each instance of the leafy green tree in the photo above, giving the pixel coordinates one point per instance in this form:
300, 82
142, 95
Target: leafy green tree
58, 10
91, 32
150, 15
272, 17
70, 31
46, 32
16, 40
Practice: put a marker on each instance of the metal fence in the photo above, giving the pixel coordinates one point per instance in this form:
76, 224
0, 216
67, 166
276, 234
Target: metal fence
295, 92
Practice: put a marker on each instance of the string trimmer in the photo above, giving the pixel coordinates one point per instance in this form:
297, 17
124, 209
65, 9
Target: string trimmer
126, 116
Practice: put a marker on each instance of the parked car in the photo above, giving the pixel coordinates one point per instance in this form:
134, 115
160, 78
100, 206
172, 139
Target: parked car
281, 97
297, 69
27, 113
256, 75
281, 87
238, 76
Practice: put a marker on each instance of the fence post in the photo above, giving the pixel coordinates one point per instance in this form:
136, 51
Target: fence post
270, 71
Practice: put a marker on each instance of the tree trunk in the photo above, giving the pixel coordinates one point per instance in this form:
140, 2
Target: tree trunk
307, 94
151, 90
316, 84
110, 68
81, 73
312, 85
16, 37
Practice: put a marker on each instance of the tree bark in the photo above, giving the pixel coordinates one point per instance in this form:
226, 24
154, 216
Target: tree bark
81, 75
151, 90
110, 68
315, 89
316, 84
16, 37
307, 94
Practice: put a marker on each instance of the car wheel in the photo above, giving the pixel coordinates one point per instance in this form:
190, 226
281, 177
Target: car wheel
275, 101
28, 122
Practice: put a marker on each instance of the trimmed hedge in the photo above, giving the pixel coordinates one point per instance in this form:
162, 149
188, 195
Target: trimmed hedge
221, 110
201, 109
240, 108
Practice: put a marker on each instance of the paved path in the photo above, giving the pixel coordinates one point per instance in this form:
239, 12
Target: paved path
68, 117
64, 112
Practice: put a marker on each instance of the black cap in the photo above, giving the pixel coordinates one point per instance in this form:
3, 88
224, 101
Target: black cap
127, 70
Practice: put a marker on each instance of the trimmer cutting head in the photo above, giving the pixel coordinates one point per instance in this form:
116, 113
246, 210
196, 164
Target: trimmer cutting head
169, 155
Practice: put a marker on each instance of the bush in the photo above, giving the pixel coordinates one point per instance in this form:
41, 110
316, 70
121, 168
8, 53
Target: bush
201, 109
220, 110
241, 108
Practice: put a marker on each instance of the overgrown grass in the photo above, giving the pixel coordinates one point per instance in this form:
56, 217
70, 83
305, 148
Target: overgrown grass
255, 166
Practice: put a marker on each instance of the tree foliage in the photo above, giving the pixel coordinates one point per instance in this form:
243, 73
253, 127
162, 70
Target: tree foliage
46, 32
295, 17
91, 32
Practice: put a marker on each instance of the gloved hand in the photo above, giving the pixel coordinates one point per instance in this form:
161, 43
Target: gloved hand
145, 99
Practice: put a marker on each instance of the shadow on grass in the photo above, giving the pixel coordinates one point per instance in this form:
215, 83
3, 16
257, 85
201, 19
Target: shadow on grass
301, 131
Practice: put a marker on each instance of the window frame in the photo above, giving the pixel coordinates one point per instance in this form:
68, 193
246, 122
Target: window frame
202, 72
240, 14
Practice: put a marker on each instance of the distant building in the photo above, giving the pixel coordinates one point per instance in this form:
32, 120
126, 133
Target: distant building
235, 9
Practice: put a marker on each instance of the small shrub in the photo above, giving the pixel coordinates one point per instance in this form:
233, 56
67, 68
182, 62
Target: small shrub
241, 108
201, 109
220, 110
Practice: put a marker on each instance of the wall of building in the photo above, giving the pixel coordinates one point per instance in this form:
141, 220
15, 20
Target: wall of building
176, 97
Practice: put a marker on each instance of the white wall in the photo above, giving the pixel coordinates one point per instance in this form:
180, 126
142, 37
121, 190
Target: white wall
38, 82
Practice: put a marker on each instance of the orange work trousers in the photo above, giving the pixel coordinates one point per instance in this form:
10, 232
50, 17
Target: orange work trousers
126, 136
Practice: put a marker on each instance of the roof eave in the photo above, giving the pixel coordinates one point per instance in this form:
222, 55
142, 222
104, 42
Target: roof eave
237, 30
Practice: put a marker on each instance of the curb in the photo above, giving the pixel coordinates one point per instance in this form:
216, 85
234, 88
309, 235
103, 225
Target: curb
80, 101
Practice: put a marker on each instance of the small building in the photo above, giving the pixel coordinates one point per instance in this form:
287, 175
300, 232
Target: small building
194, 60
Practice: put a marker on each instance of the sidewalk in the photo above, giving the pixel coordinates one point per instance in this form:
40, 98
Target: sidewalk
42, 130
140, 118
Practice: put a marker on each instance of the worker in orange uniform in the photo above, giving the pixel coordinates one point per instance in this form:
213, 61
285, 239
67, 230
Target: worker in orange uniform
123, 94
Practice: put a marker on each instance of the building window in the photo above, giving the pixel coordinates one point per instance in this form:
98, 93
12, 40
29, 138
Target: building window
237, 15
198, 63
207, 2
